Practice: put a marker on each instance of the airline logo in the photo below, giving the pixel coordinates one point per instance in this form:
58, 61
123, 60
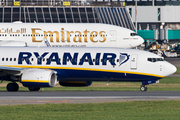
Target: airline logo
62, 36
124, 57
100, 58
65, 36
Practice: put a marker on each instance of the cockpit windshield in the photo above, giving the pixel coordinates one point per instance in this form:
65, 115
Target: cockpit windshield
155, 59
133, 34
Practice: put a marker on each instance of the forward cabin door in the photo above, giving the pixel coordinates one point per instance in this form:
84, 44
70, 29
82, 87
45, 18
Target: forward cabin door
113, 37
134, 58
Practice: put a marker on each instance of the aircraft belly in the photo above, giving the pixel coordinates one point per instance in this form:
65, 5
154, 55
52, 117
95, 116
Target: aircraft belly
103, 76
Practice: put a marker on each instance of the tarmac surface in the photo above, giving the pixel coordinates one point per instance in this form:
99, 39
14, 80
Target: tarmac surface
41, 97
174, 61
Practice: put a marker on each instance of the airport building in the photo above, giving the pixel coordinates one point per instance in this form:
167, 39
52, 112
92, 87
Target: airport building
58, 11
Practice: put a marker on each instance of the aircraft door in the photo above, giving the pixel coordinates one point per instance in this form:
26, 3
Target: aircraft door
134, 61
113, 35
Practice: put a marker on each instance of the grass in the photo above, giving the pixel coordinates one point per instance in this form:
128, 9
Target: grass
166, 84
178, 70
136, 110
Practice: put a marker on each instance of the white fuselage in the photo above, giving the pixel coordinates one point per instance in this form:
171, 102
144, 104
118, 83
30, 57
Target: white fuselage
89, 63
68, 35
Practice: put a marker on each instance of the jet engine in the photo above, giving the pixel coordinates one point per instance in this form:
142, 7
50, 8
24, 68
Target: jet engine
39, 78
75, 83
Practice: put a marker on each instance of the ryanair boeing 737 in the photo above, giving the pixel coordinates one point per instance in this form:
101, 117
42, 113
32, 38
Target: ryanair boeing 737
37, 67
67, 35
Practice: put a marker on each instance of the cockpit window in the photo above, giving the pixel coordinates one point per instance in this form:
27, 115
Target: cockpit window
133, 34
155, 59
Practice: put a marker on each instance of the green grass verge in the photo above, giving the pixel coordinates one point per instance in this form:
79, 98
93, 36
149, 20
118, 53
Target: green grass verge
166, 84
178, 70
134, 110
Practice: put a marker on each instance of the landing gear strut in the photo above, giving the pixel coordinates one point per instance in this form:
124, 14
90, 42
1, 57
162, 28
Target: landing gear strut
143, 88
12, 87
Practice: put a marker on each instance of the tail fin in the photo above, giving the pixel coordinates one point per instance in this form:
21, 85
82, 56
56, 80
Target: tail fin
46, 42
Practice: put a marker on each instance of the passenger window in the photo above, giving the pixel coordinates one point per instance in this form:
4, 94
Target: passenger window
2, 59
32, 59
10, 59
14, 59
6, 59
117, 60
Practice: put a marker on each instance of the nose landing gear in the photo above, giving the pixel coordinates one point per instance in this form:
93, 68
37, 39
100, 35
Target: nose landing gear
144, 88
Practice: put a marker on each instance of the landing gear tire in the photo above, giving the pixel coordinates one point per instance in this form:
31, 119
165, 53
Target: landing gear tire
143, 88
12, 87
34, 88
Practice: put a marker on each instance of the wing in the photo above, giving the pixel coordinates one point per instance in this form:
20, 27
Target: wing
10, 71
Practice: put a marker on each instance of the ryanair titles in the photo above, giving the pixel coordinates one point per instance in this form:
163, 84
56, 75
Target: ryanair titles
70, 36
73, 58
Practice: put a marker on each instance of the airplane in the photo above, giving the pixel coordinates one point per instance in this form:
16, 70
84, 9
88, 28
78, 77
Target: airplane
38, 67
68, 35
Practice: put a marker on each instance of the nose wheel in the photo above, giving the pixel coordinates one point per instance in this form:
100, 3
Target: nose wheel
143, 88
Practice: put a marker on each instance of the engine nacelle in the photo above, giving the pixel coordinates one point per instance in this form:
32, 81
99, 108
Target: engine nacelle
39, 78
75, 83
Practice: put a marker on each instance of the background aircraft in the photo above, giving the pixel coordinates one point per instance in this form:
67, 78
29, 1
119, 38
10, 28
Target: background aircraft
68, 35
37, 67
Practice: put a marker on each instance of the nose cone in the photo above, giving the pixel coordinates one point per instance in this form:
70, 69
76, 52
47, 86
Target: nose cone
139, 40
169, 69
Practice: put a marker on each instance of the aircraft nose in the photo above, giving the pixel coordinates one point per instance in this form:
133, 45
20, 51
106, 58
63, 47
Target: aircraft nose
169, 69
139, 42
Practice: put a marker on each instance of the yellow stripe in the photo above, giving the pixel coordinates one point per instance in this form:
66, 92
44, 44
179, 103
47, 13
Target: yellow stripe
40, 81
90, 69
